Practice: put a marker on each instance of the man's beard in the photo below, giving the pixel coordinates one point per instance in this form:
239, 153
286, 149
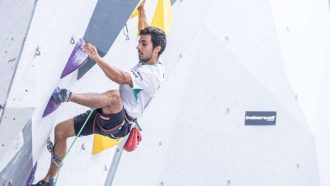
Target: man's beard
144, 60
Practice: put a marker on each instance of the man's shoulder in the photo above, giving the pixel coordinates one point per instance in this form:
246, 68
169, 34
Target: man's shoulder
149, 69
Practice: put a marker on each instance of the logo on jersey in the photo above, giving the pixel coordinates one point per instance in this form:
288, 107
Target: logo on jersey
137, 74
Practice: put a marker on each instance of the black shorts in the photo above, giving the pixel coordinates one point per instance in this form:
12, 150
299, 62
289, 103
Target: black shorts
111, 125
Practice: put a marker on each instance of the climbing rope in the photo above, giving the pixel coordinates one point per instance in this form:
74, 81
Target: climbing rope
75, 139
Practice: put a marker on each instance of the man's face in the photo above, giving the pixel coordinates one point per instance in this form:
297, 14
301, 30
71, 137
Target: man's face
145, 48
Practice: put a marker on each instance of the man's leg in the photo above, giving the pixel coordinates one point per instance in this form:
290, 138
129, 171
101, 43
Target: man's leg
63, 131
110, 102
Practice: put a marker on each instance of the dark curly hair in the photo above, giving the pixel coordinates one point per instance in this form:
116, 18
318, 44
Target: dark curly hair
158, 37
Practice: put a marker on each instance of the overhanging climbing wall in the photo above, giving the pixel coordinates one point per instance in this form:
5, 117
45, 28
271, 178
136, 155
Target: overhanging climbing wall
223, 60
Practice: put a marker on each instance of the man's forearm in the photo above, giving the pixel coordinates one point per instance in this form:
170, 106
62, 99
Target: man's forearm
113, 73
142, 19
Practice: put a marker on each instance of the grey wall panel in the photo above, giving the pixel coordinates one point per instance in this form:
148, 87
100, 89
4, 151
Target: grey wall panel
15, 20
108, 19
18, 170
11, 139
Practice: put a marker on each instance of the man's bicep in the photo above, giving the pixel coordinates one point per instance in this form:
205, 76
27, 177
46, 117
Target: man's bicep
128, 78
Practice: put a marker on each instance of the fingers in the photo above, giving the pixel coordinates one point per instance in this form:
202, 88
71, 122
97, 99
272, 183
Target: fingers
92, 51
89, 47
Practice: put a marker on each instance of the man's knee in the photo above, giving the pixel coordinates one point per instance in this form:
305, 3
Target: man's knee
114, 98
64, 129
59, 131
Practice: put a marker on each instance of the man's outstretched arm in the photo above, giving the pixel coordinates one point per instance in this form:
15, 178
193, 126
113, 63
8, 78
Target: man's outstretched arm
115, 74
142, 17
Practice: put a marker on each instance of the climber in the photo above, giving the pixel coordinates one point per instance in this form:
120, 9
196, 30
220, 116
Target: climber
115, 109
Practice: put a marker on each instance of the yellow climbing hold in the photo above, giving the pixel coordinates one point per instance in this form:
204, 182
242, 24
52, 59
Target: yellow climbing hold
135, 12
102, 143
163, 15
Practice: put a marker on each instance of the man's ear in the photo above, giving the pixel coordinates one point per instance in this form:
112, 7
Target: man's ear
157, 49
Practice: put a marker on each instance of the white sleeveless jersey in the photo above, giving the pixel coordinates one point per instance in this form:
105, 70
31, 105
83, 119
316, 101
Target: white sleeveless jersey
146, 81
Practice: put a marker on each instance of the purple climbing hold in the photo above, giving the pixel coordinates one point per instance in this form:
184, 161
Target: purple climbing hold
52, 104
77, 58
30, 180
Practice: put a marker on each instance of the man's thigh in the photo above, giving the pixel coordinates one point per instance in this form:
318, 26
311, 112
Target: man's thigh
83, 123
65, 129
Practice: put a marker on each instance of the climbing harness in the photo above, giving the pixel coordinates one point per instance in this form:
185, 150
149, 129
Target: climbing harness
112, 132
109, 132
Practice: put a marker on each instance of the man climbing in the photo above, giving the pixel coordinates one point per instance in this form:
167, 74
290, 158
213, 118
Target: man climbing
115, 109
